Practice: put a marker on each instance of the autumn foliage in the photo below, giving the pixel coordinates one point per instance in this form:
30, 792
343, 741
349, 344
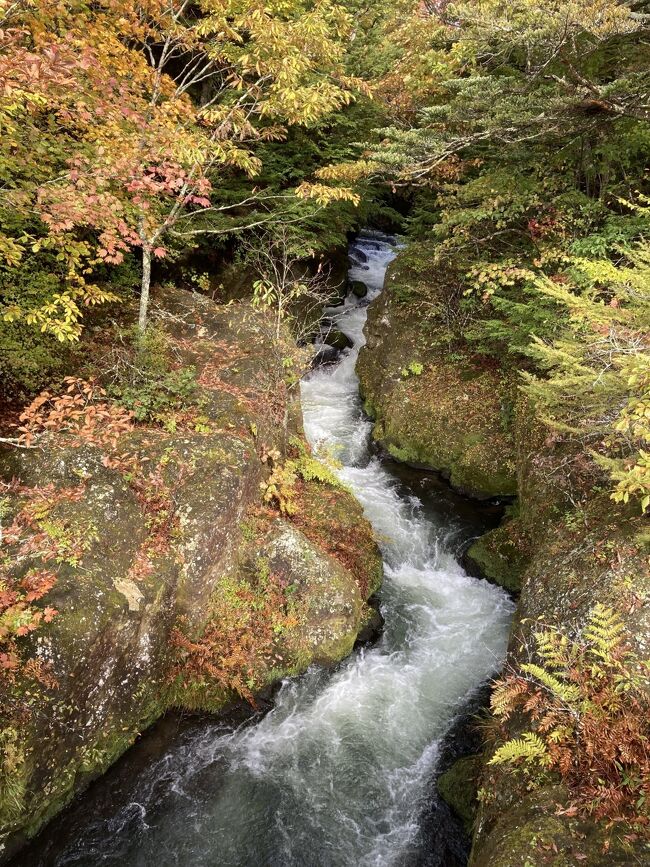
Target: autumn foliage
121, 120
80, 410
586, 701
239, 647
33, 532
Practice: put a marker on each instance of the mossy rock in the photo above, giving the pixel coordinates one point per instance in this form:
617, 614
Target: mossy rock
453, 415
439, 421
501, 556
334, 520
577, 558
120, 600
329, 604
358, 288
458, 788
534, 834
338, 339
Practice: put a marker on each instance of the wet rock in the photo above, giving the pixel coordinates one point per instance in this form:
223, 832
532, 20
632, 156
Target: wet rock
561, 580
331, 605
358, 288
326, 355
500, 556
458, 787
372, 624
338, 340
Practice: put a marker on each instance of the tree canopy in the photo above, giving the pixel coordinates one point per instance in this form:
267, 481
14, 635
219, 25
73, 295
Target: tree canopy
515, 135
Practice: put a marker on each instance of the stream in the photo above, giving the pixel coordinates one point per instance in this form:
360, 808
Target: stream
339, 772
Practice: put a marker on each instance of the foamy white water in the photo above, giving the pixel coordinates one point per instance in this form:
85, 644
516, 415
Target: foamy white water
337, 774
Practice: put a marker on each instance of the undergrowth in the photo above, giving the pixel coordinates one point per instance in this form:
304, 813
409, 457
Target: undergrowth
585, 700
280, 490
238, 647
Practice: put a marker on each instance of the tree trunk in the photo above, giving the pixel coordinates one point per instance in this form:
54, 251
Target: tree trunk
144, 289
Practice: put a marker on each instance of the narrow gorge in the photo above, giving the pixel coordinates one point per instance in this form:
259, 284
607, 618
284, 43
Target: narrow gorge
340, 769
324, 433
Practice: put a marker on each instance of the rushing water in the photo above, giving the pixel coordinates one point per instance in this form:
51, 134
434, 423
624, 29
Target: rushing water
337, 773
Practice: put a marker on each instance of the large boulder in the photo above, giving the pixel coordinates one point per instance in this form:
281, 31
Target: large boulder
433, 409
153, 541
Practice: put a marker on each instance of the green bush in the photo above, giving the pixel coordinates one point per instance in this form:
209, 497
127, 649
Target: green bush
146, 382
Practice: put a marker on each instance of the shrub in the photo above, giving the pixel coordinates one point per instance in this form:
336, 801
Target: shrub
597, 382
280, 487
145, 382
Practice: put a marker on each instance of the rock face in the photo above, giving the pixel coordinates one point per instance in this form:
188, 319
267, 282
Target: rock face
161, 535
326, 355
337, 339
566, 559
563, 546
431, 410
458, 786
501, 556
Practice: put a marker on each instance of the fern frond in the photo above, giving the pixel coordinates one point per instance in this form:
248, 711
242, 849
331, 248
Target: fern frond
566, 692
529, 748
559, 735
555, 649
604, 632
506, 694
312, 469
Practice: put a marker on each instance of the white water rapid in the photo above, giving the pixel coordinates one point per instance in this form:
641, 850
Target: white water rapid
338, 773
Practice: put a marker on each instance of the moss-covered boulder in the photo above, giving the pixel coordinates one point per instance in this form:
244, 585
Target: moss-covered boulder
334, 521
458, 788
434, 409
501, 555
535, 831
329, 605
151, 538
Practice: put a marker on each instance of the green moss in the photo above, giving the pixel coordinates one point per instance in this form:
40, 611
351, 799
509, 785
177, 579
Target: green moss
199, 695
406, 453
458, 788
89, 761
335, 649
534, 834
13, 776
501, 556
334, 520
451, 417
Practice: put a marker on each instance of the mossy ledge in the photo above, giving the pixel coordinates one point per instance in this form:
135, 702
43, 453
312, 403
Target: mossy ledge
111, 646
